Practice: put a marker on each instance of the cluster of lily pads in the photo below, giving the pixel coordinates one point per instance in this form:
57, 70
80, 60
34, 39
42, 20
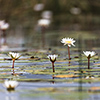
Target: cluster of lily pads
10, 84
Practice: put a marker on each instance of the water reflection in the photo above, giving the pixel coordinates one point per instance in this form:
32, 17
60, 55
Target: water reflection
53, 82
69, 63
11, 90
13, 73
10, 96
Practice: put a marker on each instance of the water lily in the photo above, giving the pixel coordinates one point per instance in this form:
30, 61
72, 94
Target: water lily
4, 26
10, 84
68, 41
14, 57
1, 23
43, 22
89, 54
89, 77
52, 59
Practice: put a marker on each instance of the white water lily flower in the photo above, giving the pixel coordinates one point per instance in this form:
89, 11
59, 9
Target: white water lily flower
88, 77
1, 23
43, 22
4, 26
14, 55
9, 84
89, 53
52, 57
68, 41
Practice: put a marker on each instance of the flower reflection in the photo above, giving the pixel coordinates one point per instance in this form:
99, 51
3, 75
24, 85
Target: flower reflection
10, 96
53, 79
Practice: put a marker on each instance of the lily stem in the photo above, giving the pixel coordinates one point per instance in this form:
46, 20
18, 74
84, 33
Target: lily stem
53, 67
13, 63
88, 63
53, 78
4, 36
69, 53
13, 72
43, 36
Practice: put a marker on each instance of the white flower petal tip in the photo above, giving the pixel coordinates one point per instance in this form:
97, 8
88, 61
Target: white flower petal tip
89, 53
14, 55
52, 57
89, 77
68, 41
10, 85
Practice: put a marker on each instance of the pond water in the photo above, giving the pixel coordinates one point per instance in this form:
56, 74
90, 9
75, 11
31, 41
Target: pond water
37, 81
49, 91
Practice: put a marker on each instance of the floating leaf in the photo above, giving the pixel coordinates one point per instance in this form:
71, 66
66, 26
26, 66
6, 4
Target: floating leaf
66, 76
94, 89
47, 89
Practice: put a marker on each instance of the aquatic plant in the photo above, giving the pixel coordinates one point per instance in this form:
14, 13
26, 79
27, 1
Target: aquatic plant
10, 84
14, 57
4, 26
52, 59
89, 54
68, 41
43, 23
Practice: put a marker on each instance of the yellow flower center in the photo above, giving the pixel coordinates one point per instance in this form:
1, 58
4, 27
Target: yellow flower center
68, 42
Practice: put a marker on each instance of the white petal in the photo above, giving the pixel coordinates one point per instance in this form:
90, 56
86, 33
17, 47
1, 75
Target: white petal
69, 45
87, 53
14, 55
10, 84
68, 41
52, 56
